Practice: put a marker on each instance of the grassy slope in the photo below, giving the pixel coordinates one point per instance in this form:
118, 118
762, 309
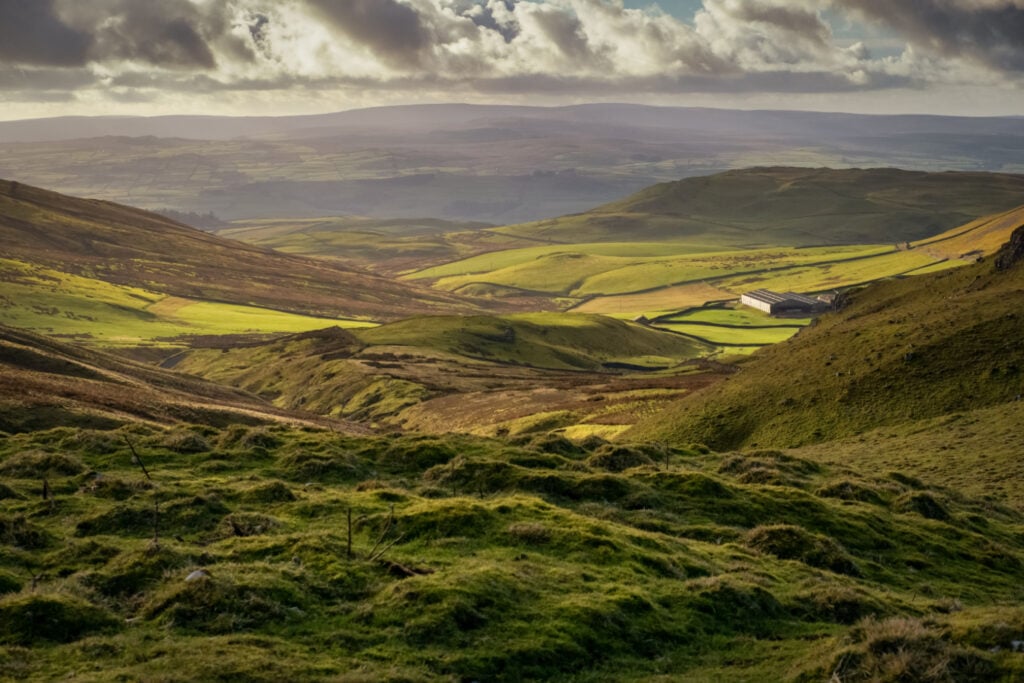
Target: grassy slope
481, 375
44, 383
483, 560
129, 247
790, 206
542, 340
106, 314
387, 246
902, 350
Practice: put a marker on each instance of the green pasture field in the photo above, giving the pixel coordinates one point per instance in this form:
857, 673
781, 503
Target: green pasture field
488, 263
542, 340
740, 316
733, 336
831, 276
53, 302
586, 273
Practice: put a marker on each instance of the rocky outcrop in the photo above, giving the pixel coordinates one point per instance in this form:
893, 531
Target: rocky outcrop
1012, 252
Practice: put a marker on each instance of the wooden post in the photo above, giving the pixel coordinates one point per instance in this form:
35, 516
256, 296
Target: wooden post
348, 547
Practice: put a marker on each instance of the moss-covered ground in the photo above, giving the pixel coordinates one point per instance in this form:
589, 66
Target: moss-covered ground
277, 553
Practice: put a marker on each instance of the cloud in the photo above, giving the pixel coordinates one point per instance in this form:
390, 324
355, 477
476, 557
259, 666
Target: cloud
988, 32
166, 34
137, 50
392, 30
31, 32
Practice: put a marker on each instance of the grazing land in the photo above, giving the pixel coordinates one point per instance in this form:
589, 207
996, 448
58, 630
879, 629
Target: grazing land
483, 375
459, 493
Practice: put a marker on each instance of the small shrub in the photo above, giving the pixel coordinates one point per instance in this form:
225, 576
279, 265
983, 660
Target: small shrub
836, 604
901, 649
94, 442
270, 492
226, 604
131, 573
315, 467
8, 584
618, 458
733, 605
183, 516
444, 519
114, 488
54, 617
19, 532
40, 465
7, 493
846, 489
416, 455
185, 442
556, 444
259, 438
530, 533
788, 542
592, 442
922, 504
244, 524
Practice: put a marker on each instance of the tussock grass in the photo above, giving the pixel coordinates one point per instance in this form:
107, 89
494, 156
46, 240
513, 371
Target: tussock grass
581, 559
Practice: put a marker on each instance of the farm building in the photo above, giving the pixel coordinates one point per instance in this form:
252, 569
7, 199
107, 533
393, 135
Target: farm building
787, 303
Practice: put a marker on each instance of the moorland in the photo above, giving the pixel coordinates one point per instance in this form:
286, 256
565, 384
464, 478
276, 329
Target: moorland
302, 446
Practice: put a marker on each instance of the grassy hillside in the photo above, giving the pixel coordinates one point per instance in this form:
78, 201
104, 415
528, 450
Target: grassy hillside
901, 350
790, 206
46, 383
542, 340
713, 238
515, 374
301, 555
388, 246
131, 248
105, 314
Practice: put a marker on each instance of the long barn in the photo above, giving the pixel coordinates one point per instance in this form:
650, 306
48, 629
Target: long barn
786, 303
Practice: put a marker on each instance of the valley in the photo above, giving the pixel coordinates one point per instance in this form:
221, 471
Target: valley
356, 448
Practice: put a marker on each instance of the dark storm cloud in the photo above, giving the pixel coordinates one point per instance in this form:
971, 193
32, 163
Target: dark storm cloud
991, 33
32, 33
804, 23
566, 32
168, 33
393, 31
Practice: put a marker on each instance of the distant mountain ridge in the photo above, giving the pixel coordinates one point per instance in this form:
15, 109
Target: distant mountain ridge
495, 164
773, 206
460, 116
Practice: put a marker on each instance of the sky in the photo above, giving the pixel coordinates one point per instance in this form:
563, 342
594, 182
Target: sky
275, 57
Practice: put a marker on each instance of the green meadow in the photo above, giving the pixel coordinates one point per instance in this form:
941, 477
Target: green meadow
63, 304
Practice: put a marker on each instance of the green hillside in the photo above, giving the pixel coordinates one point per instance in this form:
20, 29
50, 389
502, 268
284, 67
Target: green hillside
46, 383
131, 248
901, 350
514, 374
789, 207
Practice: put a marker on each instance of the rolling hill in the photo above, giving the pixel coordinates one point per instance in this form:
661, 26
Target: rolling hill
45, 383
499, 164
479, 374
97, 263
900, 351
781, 206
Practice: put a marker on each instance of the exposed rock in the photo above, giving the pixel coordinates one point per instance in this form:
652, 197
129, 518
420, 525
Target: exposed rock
1012, 251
